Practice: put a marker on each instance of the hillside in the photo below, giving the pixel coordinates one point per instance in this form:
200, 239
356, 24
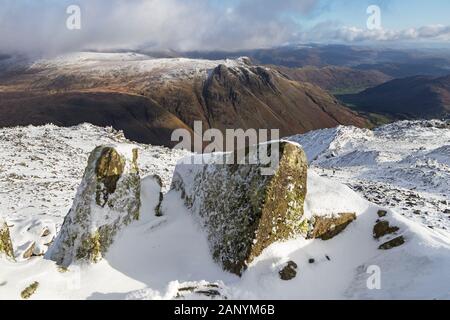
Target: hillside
337, 79
148, 98
404, 165
410, 98
42, 166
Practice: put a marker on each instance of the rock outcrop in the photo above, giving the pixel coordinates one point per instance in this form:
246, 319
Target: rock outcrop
243, 210
6, 247
326, 228
107, 200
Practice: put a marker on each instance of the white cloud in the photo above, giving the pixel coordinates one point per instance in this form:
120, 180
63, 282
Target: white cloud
174, 24
333, 32
40, 26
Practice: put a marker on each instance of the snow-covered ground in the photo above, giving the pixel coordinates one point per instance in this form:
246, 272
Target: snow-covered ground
168, 257
404, 166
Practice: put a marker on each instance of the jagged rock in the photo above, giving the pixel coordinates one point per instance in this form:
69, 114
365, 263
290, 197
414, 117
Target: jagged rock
383, 228
107, 200
289, 272
30, 290
326, 228
242, 210
6, 246
392, 243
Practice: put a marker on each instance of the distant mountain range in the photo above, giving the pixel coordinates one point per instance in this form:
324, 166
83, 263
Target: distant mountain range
392, 62
148, 98
412, 98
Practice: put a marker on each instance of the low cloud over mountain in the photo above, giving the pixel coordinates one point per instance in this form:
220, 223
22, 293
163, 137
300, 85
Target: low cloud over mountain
40, 26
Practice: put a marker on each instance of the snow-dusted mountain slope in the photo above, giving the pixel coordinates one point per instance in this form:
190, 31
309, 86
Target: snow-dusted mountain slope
404, 165
168, 257
100, 65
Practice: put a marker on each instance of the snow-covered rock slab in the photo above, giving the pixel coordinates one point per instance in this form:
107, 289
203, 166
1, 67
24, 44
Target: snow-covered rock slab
243, 210
107, 200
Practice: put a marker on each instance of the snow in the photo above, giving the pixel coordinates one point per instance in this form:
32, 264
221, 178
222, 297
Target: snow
40, 168
404, 166
123, 64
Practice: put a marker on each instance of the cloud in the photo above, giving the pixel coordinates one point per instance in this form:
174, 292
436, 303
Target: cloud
40, 26
333, 32
175, 24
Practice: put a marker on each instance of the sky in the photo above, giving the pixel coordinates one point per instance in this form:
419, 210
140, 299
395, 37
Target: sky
32, 26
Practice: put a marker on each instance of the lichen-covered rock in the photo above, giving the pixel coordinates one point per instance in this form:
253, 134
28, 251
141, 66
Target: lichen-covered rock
107, 200
243, 210
6, 247
396, 242
326, 228
289, 272
30, 290
382, 213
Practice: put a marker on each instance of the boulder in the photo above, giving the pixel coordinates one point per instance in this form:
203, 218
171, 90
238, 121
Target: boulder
382, 213
383, 228
396, 242
243, 209
327, 227
289, 272
107, 200
6, 247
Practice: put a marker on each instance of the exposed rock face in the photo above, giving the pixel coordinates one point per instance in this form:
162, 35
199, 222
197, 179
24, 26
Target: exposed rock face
326, 228
242, 210
6, 246
107, 200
